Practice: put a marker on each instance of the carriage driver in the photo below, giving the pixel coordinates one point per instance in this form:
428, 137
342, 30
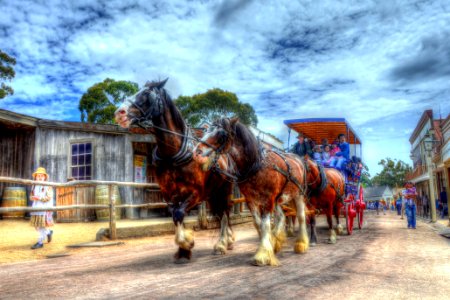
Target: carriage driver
342, 156
302, 147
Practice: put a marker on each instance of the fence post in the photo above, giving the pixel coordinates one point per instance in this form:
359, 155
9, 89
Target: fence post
112, 213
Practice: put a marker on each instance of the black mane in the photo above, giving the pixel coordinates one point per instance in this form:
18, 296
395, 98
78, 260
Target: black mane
241, 135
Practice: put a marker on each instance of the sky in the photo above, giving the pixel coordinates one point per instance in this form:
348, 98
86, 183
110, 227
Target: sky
378, 64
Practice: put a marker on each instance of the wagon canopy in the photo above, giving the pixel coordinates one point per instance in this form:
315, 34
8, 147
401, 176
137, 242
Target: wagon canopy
324, 128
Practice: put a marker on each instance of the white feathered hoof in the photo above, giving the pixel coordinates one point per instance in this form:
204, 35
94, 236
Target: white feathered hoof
220, 249
265, 257
340, 229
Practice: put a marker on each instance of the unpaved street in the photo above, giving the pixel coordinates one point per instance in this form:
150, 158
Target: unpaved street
384, 261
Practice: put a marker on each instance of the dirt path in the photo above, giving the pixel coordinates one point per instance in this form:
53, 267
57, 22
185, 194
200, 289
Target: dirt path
385, 260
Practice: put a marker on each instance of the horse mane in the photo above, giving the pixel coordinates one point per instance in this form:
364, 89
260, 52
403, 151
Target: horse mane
174, 112
251, 148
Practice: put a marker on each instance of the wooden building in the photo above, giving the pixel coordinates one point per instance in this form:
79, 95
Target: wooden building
81, 151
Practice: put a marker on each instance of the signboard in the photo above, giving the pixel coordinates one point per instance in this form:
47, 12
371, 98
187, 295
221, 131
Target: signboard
140, 167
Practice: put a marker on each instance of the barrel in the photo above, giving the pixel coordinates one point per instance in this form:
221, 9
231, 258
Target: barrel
102, 197
13, 197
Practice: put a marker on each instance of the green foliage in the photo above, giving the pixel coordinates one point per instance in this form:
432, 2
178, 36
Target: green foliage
95, 107
213, 104
393, 173
365, 177
6, 74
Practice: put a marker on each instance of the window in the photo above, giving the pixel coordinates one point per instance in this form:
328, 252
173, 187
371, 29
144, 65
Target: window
81, 161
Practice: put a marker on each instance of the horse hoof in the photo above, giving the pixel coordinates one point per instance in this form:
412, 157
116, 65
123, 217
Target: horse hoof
331, 241
220, 250
261, 263
265, 258
313, 244
230, 247
181, 261
182, 256
300, 247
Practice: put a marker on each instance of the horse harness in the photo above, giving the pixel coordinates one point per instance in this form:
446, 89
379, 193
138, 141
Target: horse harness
289, 177
340, 197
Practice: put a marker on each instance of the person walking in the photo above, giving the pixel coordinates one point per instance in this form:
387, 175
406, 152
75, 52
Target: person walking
443, 198
41, 197
410, 194
398, 205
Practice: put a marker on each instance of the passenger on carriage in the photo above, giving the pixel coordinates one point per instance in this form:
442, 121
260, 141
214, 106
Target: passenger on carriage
343, 155
317, 154
326, 156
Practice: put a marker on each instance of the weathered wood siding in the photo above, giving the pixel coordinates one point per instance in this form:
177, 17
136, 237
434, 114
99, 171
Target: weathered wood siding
16, 153
53, 148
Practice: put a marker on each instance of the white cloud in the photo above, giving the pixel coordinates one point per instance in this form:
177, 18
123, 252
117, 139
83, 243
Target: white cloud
288, 59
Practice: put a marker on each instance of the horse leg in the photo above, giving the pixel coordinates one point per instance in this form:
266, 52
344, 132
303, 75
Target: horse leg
332, 238
312, 223
279, 234
265, 254
185, 240
223, 243
302, 241
290, 225
339, 228
256, 218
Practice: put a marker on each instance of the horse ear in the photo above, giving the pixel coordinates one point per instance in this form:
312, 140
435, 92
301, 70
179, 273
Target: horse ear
233, 121
163, 83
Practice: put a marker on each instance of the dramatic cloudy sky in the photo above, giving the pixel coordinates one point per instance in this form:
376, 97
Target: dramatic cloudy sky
379, 64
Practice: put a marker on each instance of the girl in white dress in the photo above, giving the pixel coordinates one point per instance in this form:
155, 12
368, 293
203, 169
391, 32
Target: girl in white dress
41, 197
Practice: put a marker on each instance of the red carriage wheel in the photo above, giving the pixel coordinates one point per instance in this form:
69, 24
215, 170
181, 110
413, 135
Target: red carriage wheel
361, 206
350, 214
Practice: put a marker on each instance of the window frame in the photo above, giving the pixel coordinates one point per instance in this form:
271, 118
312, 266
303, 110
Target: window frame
69, 157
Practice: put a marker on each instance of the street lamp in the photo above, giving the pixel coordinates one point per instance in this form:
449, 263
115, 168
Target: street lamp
429, 141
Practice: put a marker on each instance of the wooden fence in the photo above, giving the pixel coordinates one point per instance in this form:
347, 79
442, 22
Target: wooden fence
86, 183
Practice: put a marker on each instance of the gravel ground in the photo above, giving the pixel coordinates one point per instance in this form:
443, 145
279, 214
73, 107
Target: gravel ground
385, 260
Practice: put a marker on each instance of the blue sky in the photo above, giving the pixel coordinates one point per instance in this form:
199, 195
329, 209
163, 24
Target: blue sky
379, 64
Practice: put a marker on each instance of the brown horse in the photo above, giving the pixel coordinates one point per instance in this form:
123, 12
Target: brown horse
326, 188
183, 184
267, 179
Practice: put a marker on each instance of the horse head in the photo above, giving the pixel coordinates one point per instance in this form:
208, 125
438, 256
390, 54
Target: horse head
141, 108
217, 140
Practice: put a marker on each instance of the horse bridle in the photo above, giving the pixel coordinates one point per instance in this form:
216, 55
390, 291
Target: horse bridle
145, 121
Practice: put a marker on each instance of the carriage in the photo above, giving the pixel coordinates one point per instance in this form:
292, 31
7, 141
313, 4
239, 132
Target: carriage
318, 129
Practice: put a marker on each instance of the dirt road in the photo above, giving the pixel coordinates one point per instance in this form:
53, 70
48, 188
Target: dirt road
384, 261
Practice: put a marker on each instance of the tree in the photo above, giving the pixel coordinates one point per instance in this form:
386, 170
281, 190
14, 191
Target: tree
6, 73
100, 101
213, 104
393, 173
365, 177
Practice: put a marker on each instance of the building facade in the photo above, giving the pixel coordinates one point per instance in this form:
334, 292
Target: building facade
429, 149
79, 151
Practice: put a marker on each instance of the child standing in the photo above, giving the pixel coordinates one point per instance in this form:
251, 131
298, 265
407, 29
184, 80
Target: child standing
41, 197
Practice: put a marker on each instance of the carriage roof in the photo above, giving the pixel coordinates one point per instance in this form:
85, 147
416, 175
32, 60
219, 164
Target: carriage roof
324, 128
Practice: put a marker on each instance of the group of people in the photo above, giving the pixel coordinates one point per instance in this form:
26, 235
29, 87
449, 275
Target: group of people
334, 155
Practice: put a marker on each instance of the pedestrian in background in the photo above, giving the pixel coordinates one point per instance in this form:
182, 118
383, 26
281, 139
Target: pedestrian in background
444, 204
41, 197
410, 194
398, 205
